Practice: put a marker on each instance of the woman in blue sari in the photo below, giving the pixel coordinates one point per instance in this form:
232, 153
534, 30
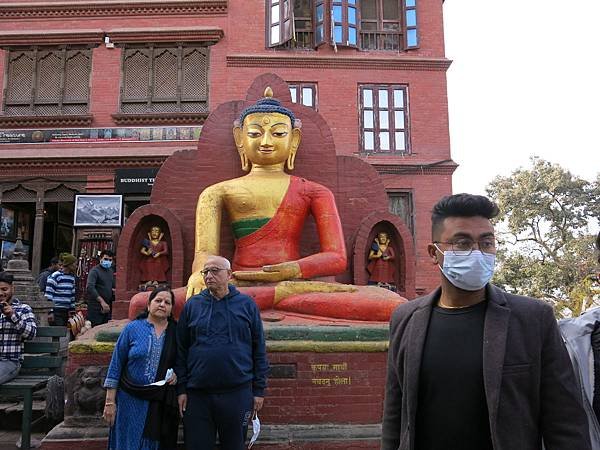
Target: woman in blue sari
144, 416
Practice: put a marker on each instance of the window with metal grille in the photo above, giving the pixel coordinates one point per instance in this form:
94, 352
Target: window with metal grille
384, 118
366, 24
401, 204
164, 79
46, 81
304, 94
303, 31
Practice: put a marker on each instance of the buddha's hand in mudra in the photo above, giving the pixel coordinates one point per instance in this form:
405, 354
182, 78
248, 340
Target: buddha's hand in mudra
271, 274
195, 284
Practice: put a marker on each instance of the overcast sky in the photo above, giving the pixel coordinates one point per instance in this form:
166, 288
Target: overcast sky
524, 81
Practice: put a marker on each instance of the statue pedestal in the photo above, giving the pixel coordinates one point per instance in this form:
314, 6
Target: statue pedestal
325, 389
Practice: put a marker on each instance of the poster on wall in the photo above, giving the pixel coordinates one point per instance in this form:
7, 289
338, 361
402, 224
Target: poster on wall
129, 134
98, 210
7, 224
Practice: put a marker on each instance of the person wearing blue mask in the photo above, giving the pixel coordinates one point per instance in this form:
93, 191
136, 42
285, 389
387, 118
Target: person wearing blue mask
470, 366
100, 290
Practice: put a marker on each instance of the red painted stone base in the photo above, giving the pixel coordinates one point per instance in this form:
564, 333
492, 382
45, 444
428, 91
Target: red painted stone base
324, 392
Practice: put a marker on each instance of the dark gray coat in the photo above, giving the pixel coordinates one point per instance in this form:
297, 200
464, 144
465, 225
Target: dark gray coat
529, 382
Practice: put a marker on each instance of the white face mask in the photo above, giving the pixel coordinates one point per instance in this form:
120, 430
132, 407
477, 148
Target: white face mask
469, 272
255, 431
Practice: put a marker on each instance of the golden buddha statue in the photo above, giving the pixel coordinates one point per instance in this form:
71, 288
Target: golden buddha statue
268, 209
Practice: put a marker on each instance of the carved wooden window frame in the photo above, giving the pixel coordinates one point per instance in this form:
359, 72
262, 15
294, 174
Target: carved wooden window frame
347, 25
345, 20
279, 22
302, 91
408, 201
384, 115
48, 92
151, 101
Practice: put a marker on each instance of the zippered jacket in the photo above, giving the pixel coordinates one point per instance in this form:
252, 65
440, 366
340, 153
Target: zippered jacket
577, 334
221, 344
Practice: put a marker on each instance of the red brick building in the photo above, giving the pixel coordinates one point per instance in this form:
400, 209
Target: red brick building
98, 93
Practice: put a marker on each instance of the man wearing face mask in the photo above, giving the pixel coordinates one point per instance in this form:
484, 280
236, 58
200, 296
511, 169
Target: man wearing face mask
471, 367
100, 288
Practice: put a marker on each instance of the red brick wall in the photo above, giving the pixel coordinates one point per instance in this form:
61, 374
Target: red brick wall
327, 388
315, 395
244, 33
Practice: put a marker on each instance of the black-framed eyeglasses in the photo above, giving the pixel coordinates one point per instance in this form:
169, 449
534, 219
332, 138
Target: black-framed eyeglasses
212, 271
465, 246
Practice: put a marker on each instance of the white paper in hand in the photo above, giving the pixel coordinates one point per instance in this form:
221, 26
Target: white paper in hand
168, 375
255, 430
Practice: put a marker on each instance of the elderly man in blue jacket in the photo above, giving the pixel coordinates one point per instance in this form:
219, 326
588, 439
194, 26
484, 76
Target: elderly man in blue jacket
221, 362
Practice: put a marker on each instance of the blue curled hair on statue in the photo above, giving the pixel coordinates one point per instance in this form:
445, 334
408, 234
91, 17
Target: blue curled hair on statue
144, 314
268, 104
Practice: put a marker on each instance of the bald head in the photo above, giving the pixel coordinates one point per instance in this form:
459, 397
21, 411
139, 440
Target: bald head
222, 263
217, 273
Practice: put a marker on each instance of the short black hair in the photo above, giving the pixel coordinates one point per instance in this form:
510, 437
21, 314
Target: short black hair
6, 277
54, 260
461, 205
108, 253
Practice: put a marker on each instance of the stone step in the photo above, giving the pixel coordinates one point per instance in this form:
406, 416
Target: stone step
11, 413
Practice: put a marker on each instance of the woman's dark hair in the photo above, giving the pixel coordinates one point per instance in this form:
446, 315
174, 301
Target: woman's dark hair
153, 294
461, 205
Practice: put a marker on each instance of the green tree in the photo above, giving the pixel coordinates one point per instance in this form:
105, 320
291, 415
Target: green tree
546, 249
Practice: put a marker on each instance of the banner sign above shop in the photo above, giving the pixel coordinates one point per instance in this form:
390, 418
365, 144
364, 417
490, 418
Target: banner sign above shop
134, 181
144, 134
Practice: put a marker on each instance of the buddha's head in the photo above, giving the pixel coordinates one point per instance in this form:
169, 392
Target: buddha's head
383, 238
267, 134
155, 232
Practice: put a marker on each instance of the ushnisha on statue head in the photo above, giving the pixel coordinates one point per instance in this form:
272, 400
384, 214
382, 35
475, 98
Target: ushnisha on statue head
267, 135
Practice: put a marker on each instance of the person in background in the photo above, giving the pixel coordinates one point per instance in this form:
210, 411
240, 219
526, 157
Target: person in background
100, 288
582, 338
144, 417
17, 324
60, 289
44, 274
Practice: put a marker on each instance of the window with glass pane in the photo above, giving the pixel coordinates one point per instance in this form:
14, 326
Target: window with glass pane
401, 205
380, 24
384, 119
304, 94
47, 81
279, 22
410, 19
319, 13
164, 79
344, 17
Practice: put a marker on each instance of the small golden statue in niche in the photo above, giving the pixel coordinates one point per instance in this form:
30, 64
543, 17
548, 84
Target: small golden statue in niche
155, 262
382, 265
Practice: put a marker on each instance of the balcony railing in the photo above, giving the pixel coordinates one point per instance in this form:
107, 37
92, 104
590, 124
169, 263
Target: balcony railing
380, 40
304, 40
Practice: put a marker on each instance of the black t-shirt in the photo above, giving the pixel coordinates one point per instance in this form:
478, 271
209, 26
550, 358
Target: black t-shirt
452, 409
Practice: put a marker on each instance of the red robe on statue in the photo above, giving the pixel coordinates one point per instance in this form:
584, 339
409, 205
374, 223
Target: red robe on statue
155, 269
